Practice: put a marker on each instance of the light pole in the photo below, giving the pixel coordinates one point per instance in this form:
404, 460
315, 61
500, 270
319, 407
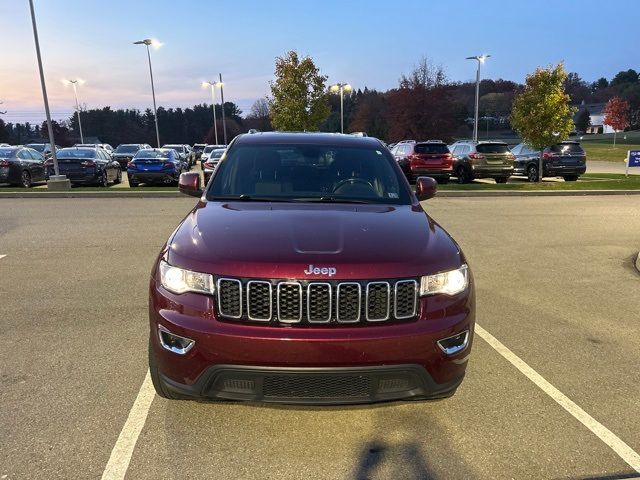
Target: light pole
341, 87
224, 123
57, 181
155, 44
480, 59
74, 83
213, 106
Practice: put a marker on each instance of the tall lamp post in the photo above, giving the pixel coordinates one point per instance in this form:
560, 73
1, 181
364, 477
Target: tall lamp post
224, 123
341, 87
155, 44
213, 106
480, 59
75, 83
57, 181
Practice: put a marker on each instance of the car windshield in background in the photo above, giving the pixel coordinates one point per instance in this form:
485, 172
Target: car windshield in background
198, 148
567, 148
431, 148
126, 149
308, 173
208, 149
178, 148
217, 153
76, 153
37, 146
151, 154
492, 148
6, 152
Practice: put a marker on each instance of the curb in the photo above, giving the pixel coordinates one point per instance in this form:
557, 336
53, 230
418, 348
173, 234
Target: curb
441, 193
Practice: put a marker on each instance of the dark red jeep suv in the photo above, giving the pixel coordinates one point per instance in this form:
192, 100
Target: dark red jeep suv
308, 272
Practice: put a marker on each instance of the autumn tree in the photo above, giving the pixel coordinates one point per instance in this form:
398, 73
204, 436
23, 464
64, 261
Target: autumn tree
616, 115
541, 112
298, 95
259, 116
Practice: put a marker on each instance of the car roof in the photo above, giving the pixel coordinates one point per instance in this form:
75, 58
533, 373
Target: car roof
302, 138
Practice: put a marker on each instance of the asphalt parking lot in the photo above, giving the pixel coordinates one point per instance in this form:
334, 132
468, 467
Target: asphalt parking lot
555, 285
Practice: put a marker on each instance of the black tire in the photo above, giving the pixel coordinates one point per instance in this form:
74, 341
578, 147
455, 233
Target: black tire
532, 173
159, 387
103, 181
462, 174
571, 178
133, 183
25, 179
118, 179
501, 179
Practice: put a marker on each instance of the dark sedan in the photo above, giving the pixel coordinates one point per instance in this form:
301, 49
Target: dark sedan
564, 159
125, 153
155, 165
22, 166
88, 166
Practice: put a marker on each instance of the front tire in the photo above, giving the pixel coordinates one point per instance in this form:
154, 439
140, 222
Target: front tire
133, 183
462, 175
501, 179
154, 372
118, 179
570, 178
532, 173
104, 180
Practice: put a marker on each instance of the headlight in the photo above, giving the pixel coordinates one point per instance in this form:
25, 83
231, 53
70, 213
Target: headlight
177, 280
449, 283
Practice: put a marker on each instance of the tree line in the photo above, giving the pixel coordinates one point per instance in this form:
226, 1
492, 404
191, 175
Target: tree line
425, 104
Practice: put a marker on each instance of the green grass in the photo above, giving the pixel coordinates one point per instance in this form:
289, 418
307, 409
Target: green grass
600, 181
605, 152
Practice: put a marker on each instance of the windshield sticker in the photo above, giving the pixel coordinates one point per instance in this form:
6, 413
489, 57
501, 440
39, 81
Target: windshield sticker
393, 195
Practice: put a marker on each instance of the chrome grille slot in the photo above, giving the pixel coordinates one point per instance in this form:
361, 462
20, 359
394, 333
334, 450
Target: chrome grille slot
230, 297
349, 301
378, 302
405, 293
319, 305
259, 300
289, 302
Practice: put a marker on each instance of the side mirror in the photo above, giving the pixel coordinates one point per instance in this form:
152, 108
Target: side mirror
426, 188
189, 184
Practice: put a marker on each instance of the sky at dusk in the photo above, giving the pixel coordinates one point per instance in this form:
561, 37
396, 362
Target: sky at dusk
366, 43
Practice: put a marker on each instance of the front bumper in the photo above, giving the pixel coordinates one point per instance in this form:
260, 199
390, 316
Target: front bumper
276, 363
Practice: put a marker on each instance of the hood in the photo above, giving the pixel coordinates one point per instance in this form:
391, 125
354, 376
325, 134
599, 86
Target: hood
312, 241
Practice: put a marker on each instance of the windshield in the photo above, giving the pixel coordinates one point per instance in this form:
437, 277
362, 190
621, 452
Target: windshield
177, 148
492, 148
566, 148
217, 153
76, 153
208, 149
198, 148
126, 149
309, 173
431, 148
6, 152
37, 146
151, 154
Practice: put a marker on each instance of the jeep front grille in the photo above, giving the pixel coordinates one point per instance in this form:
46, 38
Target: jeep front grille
312, 302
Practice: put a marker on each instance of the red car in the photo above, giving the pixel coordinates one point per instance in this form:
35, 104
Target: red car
431, 158
308, 272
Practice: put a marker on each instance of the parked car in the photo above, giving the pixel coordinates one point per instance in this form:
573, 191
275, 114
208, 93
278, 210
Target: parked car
212, 162
105, 146
43, 148
155, 165
22, 166
183, 153
564, 159
126, 151
485, 159
310, 274
431, 158
87, 165
197, 150
4, 145
207, 152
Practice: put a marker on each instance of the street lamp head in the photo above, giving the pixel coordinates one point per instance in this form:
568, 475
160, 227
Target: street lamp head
347, 87
334, 88
479, 58
149, 42
155, 43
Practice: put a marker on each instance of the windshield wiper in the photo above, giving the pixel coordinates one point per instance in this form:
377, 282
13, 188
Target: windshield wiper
328, 199
249, 198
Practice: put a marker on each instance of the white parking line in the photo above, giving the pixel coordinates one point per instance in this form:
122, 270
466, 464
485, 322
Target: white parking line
120, 457
2, 256
624, 451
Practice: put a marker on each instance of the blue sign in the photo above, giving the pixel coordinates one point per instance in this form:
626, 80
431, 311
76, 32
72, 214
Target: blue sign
633, 160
